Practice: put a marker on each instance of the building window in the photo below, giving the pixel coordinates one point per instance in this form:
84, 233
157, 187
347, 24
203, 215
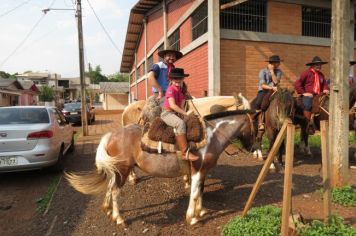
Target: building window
250, 16
316, 22
139, 72
149, 62
174, 40
200, 21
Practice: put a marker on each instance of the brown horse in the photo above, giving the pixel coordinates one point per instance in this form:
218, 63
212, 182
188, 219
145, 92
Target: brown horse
119, 152
280, 108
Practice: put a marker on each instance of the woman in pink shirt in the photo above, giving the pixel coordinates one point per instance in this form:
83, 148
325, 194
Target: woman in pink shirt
173, 104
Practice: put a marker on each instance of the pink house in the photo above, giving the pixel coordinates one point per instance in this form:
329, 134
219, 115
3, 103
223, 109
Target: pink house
29, 94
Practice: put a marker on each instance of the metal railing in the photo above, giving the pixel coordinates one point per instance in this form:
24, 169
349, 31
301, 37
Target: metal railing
316, 22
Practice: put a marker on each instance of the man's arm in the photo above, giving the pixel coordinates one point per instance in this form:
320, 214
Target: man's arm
262, 82
152, 79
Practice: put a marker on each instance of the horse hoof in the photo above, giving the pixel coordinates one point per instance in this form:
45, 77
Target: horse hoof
202, 212
108, 213
187, 186
105, 208
194, 221
120, 221
254, 154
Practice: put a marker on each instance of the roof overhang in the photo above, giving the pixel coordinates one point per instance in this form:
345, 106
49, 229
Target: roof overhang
134, 31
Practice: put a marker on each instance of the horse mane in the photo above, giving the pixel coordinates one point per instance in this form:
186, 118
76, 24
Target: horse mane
283, 94
227, 113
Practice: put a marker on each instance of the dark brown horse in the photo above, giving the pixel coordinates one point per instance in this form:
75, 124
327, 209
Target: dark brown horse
281, 107
119, 152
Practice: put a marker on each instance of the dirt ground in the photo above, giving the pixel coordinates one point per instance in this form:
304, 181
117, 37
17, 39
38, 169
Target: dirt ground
156, 206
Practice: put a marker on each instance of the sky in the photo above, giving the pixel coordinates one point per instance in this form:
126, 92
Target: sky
52, 46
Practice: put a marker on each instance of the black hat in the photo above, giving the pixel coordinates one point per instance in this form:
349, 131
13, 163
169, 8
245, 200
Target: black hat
352, 63
177, 73
274, 58
316, 60
170, 50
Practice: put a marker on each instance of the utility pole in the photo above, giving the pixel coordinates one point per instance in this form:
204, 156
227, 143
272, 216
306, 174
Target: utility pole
339, 92
81, 65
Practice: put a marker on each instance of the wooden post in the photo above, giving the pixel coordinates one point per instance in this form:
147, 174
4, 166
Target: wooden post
339, 92
280, 137
326, 169
287, 189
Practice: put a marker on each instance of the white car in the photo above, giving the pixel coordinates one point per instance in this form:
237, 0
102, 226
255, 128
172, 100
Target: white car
33, 137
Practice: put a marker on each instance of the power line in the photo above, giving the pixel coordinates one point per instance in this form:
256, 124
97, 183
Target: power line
13, 9
26, 37
102, 26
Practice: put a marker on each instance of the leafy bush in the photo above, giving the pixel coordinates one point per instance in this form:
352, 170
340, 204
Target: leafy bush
46, 94
345, 196
335, 227
262, 221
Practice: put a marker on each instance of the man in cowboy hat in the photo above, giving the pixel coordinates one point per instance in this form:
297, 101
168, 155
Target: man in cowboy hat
268, 78
158, 76
311, 82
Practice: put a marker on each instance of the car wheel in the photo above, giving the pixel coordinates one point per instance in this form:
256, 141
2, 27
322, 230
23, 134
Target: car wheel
59, 166
72, 145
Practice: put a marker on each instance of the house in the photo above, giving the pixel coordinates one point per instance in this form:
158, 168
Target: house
226, 43
71, 86
29, 95
10, 92
115, 95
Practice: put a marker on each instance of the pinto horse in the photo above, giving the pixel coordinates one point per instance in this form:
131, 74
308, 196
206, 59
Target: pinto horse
280, 108
119, 152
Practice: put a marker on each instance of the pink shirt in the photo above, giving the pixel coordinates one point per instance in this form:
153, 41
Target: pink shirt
176, 93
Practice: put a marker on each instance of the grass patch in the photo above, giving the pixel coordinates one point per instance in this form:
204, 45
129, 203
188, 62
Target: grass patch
335, 227
43, 202
345, 196
261, 221
76, 136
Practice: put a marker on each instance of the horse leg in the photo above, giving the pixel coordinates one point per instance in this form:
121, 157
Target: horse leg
195, 208
258, 146
132, 177
186, 179
107, 199
304, 140
116, 217
194, 195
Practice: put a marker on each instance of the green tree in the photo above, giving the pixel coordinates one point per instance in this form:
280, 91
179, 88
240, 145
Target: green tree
6, 75
95, 75
46, 94
118, 77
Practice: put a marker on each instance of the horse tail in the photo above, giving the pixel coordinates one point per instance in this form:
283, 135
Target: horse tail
95, 182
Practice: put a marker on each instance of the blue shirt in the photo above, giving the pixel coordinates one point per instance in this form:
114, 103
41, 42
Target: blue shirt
265, 77
160, 70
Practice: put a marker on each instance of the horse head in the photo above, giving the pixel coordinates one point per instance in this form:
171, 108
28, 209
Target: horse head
281, 107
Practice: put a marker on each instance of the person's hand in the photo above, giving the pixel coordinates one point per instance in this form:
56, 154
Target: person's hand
326, 91
307, 94
160, 95
270, 67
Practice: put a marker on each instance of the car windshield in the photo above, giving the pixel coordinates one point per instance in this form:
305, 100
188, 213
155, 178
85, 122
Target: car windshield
23, 116
71, 106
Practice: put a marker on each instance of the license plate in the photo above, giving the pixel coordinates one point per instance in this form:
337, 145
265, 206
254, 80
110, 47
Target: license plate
74, 113
8, 161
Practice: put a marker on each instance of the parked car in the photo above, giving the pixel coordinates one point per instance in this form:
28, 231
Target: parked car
33, 137
73, 112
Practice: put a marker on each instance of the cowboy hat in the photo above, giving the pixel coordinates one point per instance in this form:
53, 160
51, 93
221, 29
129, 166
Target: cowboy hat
274, 58
352, 63
163, 52
316, 60
177, 73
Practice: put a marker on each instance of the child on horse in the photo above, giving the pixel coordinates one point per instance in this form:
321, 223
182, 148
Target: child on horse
173, 103
268, 78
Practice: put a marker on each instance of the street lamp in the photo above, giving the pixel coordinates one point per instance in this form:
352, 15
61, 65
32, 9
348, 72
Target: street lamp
81, 61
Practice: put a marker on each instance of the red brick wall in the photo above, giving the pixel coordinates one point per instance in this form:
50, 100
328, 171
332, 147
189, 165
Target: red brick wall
176, 9
154, 29
141, 48
241, 62
141, 90
186, 33
195, 64
284, 18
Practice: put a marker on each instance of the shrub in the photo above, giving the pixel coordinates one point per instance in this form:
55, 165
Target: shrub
262, 221
335, 227
46, 94
345, 196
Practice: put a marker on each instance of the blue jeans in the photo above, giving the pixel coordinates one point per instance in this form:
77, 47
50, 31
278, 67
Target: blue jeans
308, 103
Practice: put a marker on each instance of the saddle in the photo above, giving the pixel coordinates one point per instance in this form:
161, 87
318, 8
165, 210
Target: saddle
158, 137
318, 101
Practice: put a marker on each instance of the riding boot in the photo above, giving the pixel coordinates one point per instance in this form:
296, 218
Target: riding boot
261, 121
183, 147
310, 126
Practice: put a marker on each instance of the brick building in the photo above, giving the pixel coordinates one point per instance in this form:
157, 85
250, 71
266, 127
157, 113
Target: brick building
224, 48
